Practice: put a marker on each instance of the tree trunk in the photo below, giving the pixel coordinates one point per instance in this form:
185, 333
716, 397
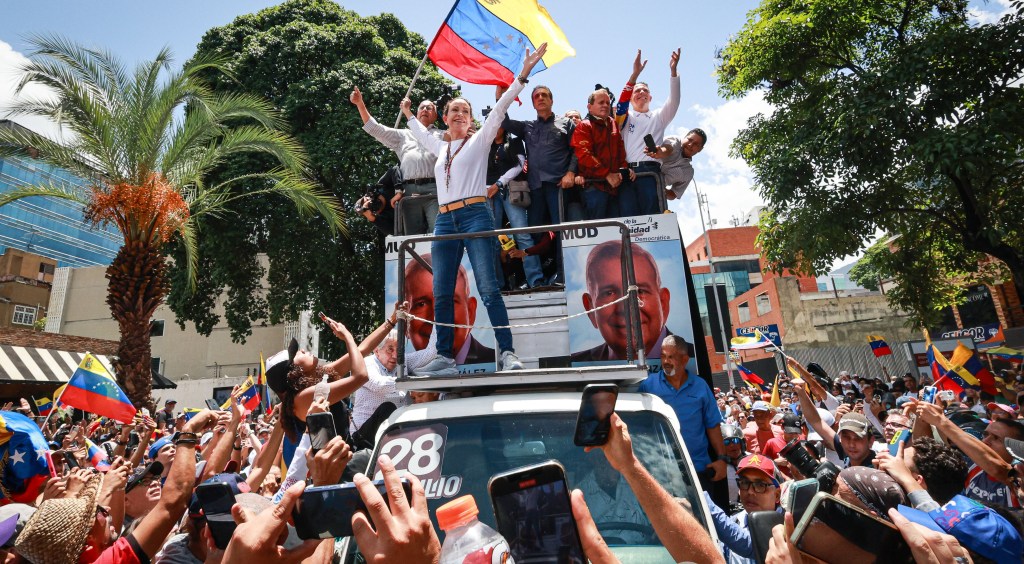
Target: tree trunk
138, 284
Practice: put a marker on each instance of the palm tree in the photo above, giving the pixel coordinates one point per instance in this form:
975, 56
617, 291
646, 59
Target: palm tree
145, 142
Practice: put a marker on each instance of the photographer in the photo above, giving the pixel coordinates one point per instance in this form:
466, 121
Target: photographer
375, 205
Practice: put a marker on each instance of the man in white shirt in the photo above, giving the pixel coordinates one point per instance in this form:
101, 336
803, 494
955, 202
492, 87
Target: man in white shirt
640, 196
418, 190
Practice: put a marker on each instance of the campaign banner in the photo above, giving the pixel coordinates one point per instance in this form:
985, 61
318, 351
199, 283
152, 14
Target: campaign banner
473, 348
978, 334
593, 277
771, 331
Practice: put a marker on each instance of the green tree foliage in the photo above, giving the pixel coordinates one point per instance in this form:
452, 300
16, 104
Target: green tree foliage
893, 115
305, 56
149, 169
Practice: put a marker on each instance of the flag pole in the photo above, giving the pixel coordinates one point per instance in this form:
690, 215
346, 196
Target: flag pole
36, 407
408, 92
55, 401
416, 75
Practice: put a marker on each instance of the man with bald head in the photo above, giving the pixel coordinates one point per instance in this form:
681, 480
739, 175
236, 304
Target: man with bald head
419, 292
604, 285
601, 156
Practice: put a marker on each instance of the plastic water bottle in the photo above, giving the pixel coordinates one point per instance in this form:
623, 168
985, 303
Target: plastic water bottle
467, 540
322, 389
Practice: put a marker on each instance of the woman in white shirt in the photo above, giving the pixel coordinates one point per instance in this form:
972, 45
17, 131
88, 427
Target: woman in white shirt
461, 172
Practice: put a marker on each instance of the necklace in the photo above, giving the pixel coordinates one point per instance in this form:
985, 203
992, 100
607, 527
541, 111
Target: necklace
448, 158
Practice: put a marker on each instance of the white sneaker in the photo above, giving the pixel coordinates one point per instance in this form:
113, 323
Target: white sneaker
438, 366
509, 361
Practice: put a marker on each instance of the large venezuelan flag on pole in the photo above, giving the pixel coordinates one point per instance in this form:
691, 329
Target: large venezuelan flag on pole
93, 389
485, 41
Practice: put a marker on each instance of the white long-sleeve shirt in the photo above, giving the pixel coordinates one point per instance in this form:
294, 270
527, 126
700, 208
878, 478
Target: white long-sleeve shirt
469, 166
654, 122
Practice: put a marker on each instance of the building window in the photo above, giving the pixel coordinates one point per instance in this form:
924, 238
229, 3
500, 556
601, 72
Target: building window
764, 304
156, 328
744, 312
154, 363
24, 315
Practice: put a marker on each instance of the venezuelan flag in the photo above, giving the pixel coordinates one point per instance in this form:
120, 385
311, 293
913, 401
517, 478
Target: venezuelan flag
878, 346
24, 466
749, 376
97, 457
248, 396
93, 389
966, 364
945, 379
190, 412
44, 406
485, 41
261, 381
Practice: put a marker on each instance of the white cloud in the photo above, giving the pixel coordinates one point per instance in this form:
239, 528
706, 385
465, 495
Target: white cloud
728, 182
11, 62
982, 16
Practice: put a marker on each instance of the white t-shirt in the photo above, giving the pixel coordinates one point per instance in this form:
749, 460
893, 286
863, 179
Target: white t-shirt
468, 161
652, 122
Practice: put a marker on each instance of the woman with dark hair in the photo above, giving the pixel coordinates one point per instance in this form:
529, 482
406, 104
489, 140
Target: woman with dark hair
293, 374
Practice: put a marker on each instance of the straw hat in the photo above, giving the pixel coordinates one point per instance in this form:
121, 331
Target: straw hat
56, 532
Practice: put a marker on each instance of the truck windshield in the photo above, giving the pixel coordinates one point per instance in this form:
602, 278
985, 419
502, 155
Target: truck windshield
458, 456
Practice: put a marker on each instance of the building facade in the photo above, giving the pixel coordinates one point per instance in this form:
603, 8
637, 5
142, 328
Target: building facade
25, 282
46, 226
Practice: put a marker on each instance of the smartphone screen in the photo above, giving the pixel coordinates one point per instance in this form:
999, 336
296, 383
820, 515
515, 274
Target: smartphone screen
325, 512
212, 404
216, 500
321, 430
594, 421
837, 532
533, 513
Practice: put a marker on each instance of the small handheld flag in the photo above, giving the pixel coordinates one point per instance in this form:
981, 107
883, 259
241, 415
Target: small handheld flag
97, 457
44, 406
878, 346
485, 41
248, 396
749, 376
93, 389
190, 412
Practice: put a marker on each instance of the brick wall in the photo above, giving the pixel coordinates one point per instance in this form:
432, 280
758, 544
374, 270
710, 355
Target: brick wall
56, 341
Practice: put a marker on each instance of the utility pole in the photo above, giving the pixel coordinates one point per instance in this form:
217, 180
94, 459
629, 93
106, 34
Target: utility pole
702, 202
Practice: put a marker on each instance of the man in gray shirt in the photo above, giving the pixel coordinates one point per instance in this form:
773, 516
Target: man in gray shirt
675, 155
418, 191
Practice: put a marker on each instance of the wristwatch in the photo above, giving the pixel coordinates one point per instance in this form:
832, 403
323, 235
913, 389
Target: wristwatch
724, 458
185, 437
524, 80
500, 185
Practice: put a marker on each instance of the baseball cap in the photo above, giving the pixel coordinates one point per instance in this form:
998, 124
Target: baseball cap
278, 367
760, 463
1007, 408
975, 526
856, 423
169, 402
761, 406
791, 423
153, 450
1016, 449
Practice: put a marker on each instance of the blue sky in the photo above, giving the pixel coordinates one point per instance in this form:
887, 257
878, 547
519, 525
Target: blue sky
605, 35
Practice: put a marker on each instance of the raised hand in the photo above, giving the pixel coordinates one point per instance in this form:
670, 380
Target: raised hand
638, 66
532, 59
356, 97
406, 107
673, 61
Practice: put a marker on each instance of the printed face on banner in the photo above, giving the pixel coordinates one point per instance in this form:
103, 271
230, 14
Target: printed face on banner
474, 350
593, 267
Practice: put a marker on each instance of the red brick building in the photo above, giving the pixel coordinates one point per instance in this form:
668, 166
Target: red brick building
751, 295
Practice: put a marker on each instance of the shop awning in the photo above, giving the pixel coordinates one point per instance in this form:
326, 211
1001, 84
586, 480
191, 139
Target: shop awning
33, 365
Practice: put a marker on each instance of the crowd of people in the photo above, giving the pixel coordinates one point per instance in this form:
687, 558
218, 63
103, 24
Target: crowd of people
532, 172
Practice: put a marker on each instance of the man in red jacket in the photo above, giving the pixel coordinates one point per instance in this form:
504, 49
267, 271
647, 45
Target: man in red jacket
601, 156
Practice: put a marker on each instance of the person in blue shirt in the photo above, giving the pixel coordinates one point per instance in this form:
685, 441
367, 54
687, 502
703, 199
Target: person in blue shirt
695, 406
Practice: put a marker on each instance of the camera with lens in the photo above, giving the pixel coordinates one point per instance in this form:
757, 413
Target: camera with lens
448, 93
825, 472
377, 199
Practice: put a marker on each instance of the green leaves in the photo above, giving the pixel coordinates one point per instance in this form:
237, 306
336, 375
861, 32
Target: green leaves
305, 57
890, 115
